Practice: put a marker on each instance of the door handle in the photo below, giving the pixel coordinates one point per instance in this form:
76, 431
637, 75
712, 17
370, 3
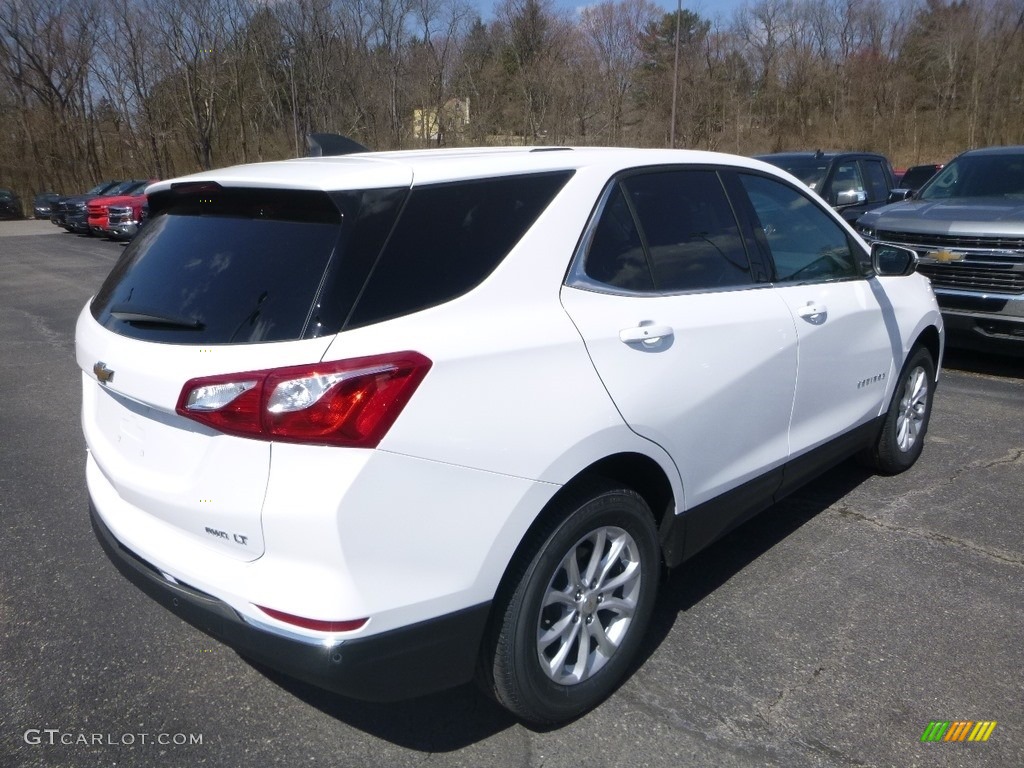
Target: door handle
648, 335
813, 313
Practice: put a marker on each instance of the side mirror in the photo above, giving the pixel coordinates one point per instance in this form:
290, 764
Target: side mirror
893, 260
899, 195
851, 197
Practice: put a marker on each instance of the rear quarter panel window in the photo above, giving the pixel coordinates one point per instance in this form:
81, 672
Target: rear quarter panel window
448, 238
616, 256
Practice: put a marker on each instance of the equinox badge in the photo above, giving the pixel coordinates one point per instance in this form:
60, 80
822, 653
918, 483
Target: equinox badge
104, 374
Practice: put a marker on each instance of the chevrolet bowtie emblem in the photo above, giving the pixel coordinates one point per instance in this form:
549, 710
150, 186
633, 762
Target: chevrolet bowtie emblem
946, 256
104, 374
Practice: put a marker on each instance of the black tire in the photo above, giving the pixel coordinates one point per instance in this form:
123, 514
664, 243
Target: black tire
906, 423
549, 692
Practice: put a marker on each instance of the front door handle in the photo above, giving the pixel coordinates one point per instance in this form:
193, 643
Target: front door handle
813, 313
648, 335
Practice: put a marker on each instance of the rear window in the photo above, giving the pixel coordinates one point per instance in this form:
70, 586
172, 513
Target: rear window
224, 266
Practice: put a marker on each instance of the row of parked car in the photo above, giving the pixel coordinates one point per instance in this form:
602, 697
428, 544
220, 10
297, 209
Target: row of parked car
965, 221
114, 209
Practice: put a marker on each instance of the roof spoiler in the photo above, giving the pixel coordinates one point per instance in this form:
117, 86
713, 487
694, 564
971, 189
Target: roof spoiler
330, 144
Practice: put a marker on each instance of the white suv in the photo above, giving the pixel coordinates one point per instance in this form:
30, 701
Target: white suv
391, 421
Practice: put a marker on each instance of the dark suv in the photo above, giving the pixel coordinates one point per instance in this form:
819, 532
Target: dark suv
967, 226
851, 182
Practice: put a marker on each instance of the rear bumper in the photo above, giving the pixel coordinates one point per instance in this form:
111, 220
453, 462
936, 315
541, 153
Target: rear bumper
399, 664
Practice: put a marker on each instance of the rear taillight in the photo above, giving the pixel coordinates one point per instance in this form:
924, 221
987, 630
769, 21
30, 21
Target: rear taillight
350, 403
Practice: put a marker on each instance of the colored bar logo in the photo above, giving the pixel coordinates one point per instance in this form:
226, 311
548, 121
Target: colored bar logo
958, 730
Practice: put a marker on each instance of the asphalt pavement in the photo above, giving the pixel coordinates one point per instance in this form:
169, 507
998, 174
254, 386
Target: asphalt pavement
830, 631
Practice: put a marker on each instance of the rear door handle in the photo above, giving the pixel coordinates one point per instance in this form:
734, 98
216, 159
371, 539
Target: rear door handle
649, 335
813, 313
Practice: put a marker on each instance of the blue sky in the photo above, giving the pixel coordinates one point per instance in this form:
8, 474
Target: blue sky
707, 9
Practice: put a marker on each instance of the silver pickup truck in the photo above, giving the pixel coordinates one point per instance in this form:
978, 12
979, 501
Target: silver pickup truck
967, 226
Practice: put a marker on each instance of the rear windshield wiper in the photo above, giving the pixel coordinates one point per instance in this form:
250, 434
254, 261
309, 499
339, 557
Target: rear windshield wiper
131, 315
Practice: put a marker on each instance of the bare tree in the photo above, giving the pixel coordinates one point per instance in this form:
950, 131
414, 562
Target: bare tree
130, 66
194, 35
614, 32
46, 51
435, 50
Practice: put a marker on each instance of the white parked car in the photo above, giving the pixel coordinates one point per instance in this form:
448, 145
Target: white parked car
391, 421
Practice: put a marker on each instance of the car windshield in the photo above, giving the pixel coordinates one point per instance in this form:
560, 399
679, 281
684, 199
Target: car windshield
125, 187
809, 170
137, 188
985, 175
102, 187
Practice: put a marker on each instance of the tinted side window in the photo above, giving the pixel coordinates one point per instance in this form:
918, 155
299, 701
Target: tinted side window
847, 185
448, 238
616, 256
693, 241
878, 190
805, 243
687, 238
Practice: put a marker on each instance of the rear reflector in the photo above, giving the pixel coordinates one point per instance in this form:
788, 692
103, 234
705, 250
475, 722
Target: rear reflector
347, 403
316, 624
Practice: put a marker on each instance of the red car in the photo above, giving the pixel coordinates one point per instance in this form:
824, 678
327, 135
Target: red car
99, 207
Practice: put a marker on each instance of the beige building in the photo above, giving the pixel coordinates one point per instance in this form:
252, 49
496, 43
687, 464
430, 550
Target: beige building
428, 125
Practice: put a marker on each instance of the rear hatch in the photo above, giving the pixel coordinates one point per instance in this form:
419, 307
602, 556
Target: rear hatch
220, 281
